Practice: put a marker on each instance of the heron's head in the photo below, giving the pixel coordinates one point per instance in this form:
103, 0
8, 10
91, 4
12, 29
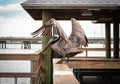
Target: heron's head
53, 40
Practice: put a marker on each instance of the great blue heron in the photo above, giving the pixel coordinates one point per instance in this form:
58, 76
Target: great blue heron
59, 42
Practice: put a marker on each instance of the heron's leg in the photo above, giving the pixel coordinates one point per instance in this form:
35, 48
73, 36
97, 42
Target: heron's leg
67, 59
61, 60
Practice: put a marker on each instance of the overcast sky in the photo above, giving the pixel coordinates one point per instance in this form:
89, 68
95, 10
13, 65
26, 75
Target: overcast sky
16, 22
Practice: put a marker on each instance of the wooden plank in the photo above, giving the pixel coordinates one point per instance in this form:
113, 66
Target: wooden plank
65, 79
95, 49
21, 56
93, 59
63, 74
18, 74
10, 57
60, 67
94, 64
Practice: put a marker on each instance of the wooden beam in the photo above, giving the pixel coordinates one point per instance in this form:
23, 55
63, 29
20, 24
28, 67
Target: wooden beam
46, 59
66, 14
116, 38
107, 40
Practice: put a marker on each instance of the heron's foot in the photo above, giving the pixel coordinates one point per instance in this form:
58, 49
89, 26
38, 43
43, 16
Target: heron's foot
60, 62
63, 61
67, 59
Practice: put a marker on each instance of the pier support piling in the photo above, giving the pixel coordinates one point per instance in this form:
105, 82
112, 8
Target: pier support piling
107, 40
46, 59
116, 38
3, 44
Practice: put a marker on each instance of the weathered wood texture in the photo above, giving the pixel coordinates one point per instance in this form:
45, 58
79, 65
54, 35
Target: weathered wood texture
102, 11
46, 57
95, 63
63, 74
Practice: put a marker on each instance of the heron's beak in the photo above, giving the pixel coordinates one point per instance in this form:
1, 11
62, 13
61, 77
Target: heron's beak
48, 44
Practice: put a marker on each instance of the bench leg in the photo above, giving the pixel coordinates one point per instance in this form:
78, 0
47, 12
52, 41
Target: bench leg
81, 79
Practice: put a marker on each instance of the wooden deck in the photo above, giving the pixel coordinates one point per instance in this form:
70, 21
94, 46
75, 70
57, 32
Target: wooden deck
63, 74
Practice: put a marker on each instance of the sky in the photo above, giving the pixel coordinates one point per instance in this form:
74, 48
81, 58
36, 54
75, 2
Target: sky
16, 22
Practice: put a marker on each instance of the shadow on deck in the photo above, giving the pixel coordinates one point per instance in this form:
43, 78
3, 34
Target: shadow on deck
99, 80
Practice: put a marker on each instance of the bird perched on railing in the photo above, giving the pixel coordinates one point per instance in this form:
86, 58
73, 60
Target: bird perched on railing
59, 42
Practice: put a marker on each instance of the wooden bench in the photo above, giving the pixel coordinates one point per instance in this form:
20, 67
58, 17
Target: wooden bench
63, 74
95, 67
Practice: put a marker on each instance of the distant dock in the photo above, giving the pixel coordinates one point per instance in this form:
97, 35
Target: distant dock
25, 41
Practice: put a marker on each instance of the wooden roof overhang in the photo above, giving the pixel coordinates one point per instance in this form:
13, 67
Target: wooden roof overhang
101, 12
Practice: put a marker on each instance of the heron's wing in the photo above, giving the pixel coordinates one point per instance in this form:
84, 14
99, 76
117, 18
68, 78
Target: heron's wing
51, 27
78, 36
57, 29
45, 29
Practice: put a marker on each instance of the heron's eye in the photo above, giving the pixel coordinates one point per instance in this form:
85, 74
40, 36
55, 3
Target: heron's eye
55, 38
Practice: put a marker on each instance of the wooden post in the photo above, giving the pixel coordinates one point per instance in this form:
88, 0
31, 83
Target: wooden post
116, 38
46, 58
107, 40
34, 67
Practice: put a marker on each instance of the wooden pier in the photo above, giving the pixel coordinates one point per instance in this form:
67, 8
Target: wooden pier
3, 44
26, 45
25, 41
99, 11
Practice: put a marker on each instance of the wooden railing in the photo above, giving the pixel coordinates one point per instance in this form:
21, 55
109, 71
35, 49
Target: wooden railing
93, 49
36, 69
35, 74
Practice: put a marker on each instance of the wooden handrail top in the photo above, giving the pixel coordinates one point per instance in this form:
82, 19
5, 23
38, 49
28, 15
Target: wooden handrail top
21, 56
94, 59
95, 64
18, 74
17, 57
63, 74
95, 49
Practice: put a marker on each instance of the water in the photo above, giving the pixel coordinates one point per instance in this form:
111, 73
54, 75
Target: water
24, 66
